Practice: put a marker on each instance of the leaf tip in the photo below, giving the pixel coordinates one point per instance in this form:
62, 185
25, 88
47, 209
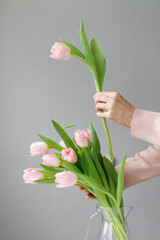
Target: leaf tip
52, 121
125, 155
91, 127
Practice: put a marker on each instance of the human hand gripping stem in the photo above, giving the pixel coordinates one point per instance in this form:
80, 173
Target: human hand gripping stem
117, 108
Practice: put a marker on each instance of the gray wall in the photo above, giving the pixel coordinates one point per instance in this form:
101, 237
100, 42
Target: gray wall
36, 89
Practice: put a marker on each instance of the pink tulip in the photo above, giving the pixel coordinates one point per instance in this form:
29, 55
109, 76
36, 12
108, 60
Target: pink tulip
69, 155
49, 159
82, 136
30, 175
37, 148
65, 179
60, 51
62, 144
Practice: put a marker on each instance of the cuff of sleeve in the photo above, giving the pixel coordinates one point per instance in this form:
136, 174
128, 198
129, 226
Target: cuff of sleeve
135, 122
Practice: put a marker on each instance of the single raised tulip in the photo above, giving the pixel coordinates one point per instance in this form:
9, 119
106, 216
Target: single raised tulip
65, 179
69, 155
49, 159
62, 144
37, 148
30, 175
81, 138
60, 51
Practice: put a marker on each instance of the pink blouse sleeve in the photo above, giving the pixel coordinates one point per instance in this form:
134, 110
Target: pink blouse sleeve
146, 126
146, 164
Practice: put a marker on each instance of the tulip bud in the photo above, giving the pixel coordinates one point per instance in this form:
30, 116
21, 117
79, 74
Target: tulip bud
69, 155
30, 175
81, 138
60, 51
65, 179
89, 134
62, 144
49, 159
37, 148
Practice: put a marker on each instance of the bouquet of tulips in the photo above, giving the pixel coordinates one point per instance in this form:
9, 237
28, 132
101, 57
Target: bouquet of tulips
79, 160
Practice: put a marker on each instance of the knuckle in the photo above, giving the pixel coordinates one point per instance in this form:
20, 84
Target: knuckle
110, 115
96, 106
114, 100
96, 99
112, 104
116, 94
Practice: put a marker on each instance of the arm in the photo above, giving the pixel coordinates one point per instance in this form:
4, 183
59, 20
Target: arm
143, 166
144, 125
146, 164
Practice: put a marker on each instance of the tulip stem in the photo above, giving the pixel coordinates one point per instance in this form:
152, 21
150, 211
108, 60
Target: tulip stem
108, 138
95, 76
94, 73
83, 60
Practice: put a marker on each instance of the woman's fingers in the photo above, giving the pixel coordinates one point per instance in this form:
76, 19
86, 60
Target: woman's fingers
79, 187
100, 106
100, 98
86, 192
102, 114
107, 94
90, 196
83, 189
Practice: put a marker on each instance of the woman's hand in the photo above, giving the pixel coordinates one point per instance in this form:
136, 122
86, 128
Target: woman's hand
118, 109
88, 194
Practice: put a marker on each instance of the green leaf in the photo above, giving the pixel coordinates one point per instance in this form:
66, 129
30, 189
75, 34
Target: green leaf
89, 144
84, 162
68, 165
112, 186
67, 140
110, 169
53, 170
99, 60
86, 49
74, 50
69, 126
99, 168
92, 169
100, 158
95, 140
50, 143
84, 185
49, 174
46, 181
94, 185
120, 184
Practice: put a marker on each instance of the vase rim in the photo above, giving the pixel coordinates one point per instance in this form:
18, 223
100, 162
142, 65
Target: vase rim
127, 209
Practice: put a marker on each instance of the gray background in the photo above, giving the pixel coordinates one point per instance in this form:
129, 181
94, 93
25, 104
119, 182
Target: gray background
36, 89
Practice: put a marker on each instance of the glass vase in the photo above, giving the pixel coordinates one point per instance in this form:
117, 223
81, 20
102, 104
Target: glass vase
108, 224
